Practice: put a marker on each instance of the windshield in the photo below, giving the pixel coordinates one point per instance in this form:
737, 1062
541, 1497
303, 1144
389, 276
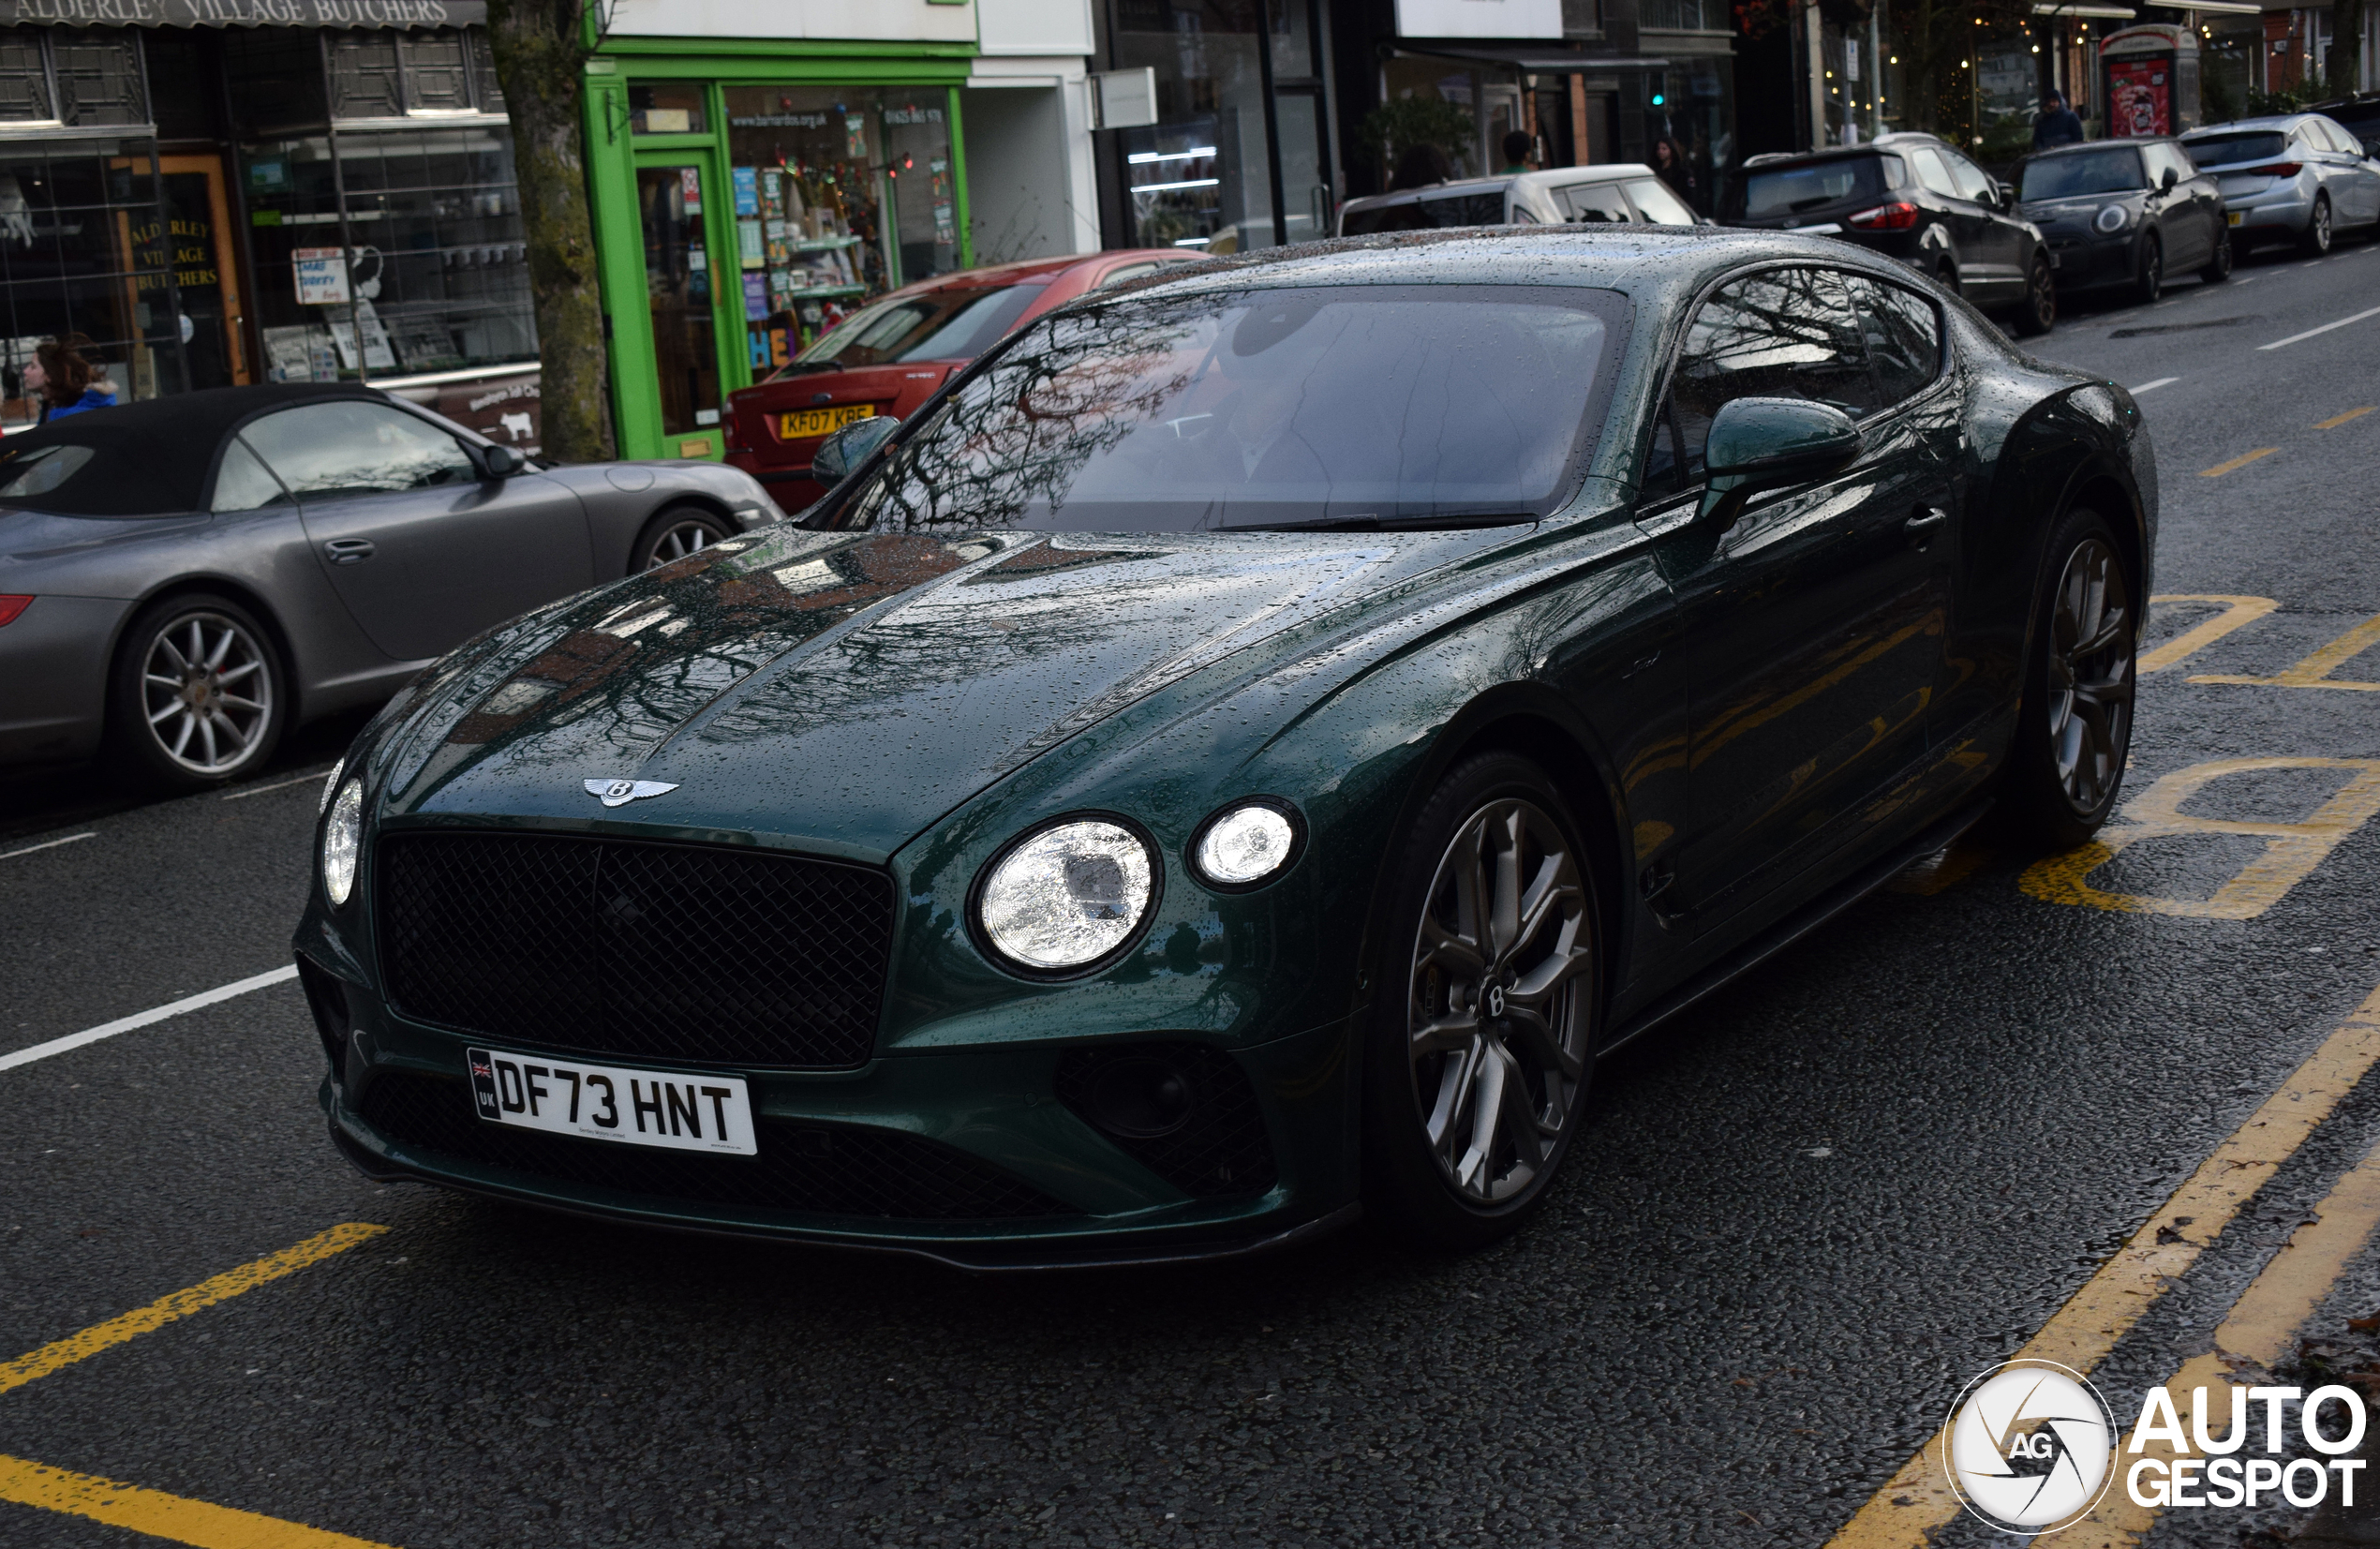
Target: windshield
2113, 170
1353, 406
1770, 191
2218, 150
953, 323
1427, 213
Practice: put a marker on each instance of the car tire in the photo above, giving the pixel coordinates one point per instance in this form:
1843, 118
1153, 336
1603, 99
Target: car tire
2148, 277
677, 532
198, 695
1947, 274
2316, 241
2073, 727
2037, 314
2218, 267
1464, 1131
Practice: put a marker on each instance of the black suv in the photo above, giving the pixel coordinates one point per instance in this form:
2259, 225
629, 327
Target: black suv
2359, 115
1914, 198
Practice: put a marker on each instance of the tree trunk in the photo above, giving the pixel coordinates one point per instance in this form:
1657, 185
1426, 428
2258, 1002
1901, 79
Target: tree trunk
541, 56
2344, 68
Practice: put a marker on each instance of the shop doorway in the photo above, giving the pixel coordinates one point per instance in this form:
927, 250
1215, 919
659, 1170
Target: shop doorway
189, 240
679, 279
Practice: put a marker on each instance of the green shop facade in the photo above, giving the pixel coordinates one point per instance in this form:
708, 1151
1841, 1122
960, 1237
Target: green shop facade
749, 194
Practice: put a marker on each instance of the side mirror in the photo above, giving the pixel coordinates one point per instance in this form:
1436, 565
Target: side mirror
2166, 184
1767, 444
848, 447
2007, 193
500, 461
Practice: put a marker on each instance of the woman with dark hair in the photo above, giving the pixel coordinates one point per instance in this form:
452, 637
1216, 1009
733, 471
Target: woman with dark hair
67, 383
1670, 165
1420, 167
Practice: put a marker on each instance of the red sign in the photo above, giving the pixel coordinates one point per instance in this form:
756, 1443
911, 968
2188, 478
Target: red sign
2139, 99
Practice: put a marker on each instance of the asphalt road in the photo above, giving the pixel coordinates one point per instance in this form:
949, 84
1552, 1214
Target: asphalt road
1792, 1232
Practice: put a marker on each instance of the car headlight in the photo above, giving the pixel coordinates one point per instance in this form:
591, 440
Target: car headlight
341, 832
1067, 896
2113, 218
328, 786
1243, 845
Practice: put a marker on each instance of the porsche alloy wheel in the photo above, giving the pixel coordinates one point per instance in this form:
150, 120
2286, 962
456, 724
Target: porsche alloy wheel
195, 694
676, 533
2075, 731
1486, 1051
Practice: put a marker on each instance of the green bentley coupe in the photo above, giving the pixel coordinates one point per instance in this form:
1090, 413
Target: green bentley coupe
1238, 756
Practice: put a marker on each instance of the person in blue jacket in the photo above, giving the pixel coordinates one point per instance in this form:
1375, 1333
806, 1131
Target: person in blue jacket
2057, 124
67, 383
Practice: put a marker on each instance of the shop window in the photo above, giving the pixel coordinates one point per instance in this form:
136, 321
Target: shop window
665, 108
1201, 176
397, 74
98, 76
367, 78
275, 75
837, 195
438, 76
79, 256
25, 79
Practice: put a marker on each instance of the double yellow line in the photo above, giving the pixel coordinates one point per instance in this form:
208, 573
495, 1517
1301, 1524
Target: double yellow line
154, 1511
1918, 1499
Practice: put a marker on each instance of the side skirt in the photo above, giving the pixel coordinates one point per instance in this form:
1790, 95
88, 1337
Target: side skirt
1797, 925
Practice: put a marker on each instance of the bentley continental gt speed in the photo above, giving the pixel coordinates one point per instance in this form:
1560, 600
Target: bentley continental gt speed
1238, 757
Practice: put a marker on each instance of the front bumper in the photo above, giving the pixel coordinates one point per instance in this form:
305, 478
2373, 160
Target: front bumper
991, 1112
2088, 263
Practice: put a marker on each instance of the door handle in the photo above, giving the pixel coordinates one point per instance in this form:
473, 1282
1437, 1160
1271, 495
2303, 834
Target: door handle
1921, 527
349, 551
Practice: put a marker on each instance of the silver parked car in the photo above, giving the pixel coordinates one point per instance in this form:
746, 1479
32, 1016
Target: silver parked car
184, 578
1617, 192
2294, 177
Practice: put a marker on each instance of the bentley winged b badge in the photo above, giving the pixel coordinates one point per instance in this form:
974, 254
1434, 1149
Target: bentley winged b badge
619, 793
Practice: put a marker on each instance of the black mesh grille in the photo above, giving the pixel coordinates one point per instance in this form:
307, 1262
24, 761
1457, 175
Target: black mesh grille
800, 1167
671, 952
1221, 1147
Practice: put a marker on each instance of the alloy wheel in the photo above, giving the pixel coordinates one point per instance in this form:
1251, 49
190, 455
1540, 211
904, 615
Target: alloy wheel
2092, 649
2318, 230
1497, 1014
207, 692
2042, 298
2152, 272
679, 539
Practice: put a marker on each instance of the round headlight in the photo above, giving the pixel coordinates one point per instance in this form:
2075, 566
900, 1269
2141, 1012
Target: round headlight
328, 786
2112, 217
341, 832
1067, 896
1244, 845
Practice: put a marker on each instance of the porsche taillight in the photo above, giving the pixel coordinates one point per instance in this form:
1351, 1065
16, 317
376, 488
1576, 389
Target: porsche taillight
11, 606
1900, 215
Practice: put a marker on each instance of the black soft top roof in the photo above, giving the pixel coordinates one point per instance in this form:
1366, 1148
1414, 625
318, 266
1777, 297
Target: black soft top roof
153, 457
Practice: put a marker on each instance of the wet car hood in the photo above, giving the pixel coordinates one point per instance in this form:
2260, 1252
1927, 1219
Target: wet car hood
844, 690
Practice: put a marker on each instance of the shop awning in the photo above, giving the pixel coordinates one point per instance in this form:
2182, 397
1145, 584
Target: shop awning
2095, 13
1544, 60
2220, 8
404, 14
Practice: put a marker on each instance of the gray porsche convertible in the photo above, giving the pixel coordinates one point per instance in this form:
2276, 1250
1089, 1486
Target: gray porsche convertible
184, 578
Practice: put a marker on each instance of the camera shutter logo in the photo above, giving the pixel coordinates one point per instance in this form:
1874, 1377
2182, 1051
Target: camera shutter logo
2031, 1447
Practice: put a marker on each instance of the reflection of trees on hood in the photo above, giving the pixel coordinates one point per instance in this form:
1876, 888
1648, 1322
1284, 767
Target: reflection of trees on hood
1017, 436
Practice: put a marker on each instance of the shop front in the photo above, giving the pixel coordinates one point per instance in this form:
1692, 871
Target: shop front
748, 196
195, 204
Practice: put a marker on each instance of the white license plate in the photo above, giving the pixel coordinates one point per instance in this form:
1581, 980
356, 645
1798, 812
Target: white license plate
601, 1102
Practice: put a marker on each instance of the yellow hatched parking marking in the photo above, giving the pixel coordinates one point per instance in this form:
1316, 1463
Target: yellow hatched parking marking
154, 1512
2237, 612
182, 1304
2315, 670
1917, 1499
2237, 463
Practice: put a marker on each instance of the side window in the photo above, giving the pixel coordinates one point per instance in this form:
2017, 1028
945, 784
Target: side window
1931, 174
1782, 333
1596, 201
1657, 205
1904, 336
1973, 181
356, 448
1664, 474
242, 483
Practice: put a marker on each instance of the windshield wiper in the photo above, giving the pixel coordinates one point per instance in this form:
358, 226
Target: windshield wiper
1393, 524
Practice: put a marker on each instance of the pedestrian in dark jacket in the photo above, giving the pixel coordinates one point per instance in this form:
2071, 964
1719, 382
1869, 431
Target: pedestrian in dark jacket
2057, 125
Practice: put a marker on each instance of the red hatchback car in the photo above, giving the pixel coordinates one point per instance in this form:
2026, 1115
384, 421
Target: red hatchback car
887, 357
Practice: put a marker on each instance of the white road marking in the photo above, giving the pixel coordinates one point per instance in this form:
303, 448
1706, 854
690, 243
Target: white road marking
2368, 312
47, 844
2151, 387
278, 784
143, 1019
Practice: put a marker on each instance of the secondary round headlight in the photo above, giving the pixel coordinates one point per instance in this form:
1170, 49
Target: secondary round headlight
2112, 217
1068, 895
1245, 845
341, 832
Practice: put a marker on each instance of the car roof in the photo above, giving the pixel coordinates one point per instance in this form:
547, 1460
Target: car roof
1021, 270
1898, 139
1550, 177
2101, 145
154, 454
2269, 121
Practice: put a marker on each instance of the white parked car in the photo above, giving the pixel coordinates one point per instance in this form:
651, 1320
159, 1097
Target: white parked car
1622, 192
